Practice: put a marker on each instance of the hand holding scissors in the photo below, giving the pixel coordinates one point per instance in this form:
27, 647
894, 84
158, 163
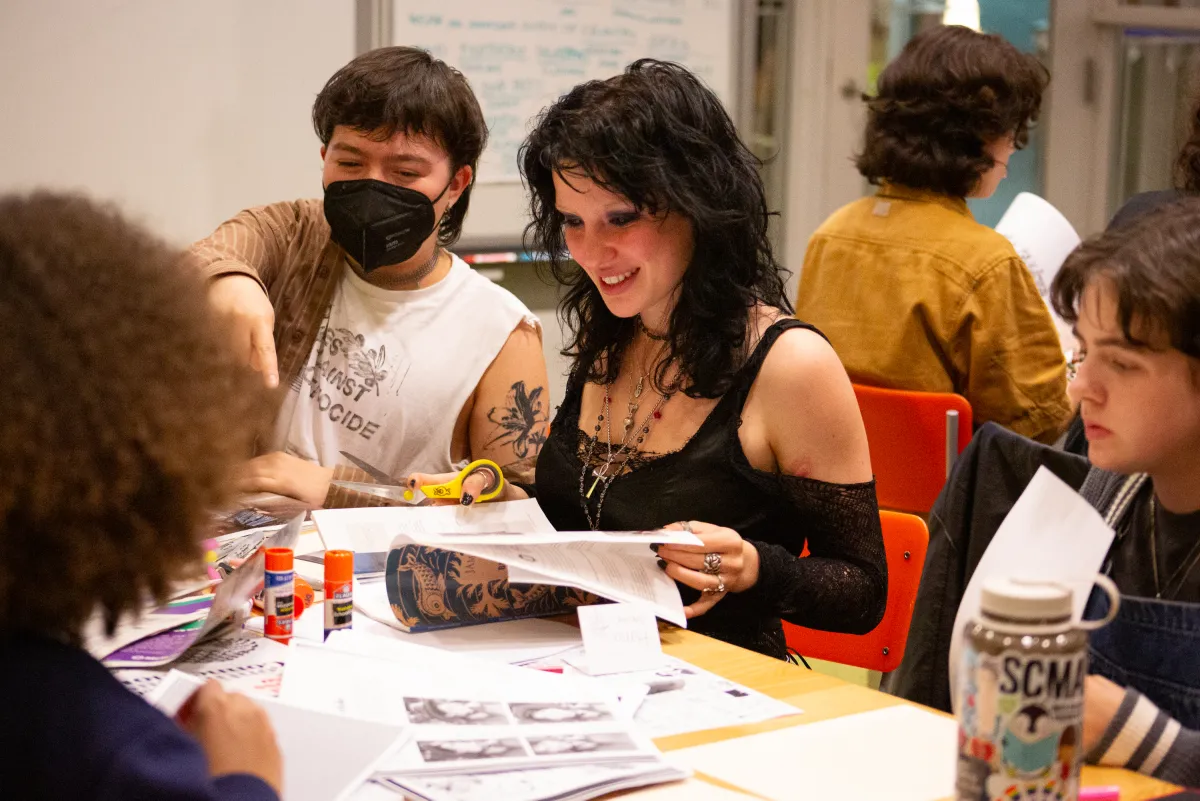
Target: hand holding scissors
481, 480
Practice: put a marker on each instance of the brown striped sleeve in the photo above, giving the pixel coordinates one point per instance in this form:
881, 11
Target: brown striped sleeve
254, 243
342, 498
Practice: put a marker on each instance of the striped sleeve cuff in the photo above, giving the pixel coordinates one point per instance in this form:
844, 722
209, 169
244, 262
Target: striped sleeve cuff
341, 498
1138, 738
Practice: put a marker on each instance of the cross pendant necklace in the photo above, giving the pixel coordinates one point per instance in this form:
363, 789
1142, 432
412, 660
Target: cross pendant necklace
599, 473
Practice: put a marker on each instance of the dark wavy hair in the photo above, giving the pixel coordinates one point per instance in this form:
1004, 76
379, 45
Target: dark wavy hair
1187, 165
949, 92
405, 89
658, 137
122, 413
1153, 265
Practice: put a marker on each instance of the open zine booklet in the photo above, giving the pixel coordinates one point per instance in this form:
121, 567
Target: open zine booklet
454, 566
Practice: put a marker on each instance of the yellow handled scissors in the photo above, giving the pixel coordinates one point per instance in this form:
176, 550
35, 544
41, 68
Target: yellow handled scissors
451, 490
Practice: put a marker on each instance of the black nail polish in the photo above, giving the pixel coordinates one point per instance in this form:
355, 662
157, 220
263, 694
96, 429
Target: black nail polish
662, 563
467, 499
412, 483
654, 547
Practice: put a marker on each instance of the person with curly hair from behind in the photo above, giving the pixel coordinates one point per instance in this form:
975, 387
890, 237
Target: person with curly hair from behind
122, 417
912, 292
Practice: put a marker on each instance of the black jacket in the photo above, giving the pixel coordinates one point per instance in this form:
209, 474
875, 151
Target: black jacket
989, 476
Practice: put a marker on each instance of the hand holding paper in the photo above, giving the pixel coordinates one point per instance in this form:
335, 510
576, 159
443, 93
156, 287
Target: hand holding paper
234, 731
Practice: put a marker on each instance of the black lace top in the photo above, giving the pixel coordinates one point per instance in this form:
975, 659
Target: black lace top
840, 586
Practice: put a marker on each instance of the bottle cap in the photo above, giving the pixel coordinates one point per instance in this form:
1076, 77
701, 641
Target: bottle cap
1026, 600
339, 566
279, 559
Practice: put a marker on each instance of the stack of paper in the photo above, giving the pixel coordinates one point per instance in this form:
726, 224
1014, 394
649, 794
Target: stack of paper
574, 783
485, 724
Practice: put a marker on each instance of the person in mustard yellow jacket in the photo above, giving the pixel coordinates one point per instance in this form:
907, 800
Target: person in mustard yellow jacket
910, 289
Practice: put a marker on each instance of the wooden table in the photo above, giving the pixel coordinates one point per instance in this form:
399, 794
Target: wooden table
821, 697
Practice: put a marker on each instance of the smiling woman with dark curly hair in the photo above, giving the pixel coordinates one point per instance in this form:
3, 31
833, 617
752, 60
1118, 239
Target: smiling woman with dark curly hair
121, 418
912, 292
695, 396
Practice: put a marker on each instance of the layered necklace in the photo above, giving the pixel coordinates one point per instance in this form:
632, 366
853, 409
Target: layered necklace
1177, 579
633, 434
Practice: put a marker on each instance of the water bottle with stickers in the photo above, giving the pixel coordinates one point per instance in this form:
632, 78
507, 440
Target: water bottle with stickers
1020, 693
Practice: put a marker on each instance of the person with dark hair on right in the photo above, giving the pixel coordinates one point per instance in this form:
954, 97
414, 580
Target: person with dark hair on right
912, 292
1133, 296
122, 417
1187, 179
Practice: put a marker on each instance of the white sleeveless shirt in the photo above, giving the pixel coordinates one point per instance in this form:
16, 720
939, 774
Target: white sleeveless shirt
390, 371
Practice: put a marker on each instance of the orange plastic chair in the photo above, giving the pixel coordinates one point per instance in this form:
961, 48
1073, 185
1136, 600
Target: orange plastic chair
905, 540
914, 438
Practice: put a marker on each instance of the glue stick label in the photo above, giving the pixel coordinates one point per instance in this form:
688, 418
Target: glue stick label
279, 603
339, 606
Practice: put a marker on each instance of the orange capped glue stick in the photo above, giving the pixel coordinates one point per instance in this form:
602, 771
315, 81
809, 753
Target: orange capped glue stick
279, 595
339, 590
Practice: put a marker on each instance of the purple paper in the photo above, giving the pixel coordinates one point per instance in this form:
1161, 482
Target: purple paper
161, 648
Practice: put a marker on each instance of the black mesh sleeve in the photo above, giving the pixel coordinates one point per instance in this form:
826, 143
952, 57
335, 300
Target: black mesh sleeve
842, 584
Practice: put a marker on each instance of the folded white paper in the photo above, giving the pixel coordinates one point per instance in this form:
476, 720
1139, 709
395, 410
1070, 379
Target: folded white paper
1050, 534
619, 638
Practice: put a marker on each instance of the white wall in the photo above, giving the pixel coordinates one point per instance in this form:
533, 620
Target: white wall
184, 112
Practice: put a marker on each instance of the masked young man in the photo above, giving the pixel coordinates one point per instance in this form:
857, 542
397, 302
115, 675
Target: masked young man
396, 357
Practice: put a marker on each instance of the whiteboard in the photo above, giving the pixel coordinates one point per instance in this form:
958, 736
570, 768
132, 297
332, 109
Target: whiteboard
521, 55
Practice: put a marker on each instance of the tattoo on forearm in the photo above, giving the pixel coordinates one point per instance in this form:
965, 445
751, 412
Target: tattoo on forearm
521, 422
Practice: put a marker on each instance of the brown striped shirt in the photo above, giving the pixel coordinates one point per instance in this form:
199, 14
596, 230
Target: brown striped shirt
287, 248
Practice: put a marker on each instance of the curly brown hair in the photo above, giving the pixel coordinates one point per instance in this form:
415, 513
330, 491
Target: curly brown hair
1153, 265
1187, 164
122, 412
949, 92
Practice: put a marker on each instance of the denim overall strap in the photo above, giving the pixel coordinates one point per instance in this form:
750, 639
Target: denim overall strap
1151, 645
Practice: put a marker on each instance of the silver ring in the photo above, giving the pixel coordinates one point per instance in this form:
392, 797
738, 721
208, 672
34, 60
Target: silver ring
493, 478
712, 563
686, 525
720, 588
